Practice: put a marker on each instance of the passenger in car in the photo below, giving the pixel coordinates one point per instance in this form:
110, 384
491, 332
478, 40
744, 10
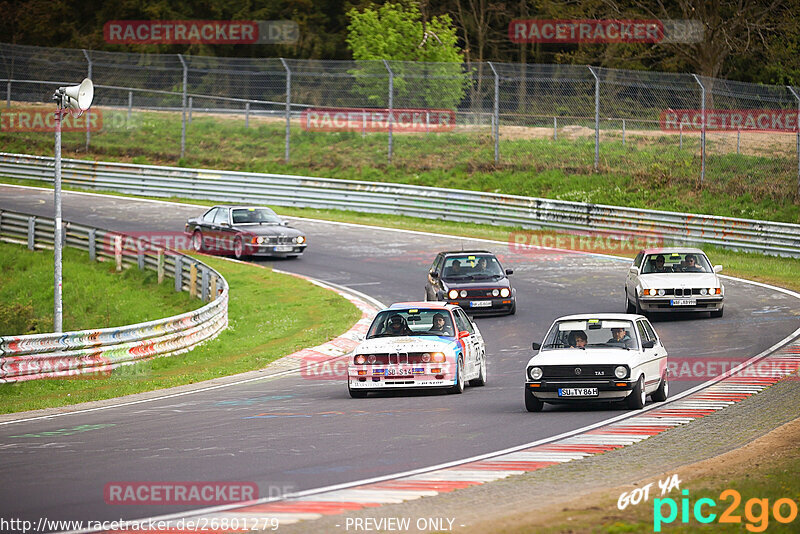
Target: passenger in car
620, 337
691, 265
577, 339
660, 267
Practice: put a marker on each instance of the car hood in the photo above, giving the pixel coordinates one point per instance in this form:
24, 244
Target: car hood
407, 344
670, 280
584, 357
267, 230
477, 284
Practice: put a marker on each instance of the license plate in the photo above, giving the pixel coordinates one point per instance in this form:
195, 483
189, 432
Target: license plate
683, 302
399, 371
480, 304
577, 392
283, 248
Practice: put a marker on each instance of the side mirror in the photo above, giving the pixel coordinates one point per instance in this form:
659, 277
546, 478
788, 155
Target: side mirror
717, 268
633, 270
284, 223
509, 271
434, 274
649, 344
536, 346
360, 337
463, 334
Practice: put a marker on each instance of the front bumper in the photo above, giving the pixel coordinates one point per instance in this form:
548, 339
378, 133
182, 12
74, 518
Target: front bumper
664, 304
279, 251
495, 305
369, 377
608, 390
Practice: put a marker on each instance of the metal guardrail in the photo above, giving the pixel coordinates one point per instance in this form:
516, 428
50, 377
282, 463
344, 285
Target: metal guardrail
429, 202
98, 352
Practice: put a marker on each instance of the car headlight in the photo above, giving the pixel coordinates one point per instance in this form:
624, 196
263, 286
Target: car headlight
300, 239
703, 291
438, 357
426, 357
621, 371
371, 359
505, 292
495, 292
661, 292
453, 294
535, 373
260, 239
463, 293
713, 291
360, 359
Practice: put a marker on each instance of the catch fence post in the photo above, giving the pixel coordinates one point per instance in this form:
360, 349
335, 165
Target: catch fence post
596, 118
288, 107
496, 116
183, 105
702, 129
391, 107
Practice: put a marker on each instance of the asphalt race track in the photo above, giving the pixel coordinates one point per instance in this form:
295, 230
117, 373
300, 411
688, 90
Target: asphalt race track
292, 434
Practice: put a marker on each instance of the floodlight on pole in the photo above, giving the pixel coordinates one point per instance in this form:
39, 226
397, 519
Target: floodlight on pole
76, 99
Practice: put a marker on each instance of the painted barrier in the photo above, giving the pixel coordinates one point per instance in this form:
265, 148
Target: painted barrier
98, 352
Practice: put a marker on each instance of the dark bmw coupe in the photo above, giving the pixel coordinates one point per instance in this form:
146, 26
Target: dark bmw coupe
244, 231
473, 279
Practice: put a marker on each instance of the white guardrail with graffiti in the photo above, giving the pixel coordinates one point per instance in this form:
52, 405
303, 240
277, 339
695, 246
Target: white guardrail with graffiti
57, 355
401, 199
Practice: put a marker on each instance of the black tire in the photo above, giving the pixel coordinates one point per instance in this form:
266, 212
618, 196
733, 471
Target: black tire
638, 397
458, 388
481, 380
197, 241
513, 309
532, 404
629, 308
661, 394
357, 393
717, 313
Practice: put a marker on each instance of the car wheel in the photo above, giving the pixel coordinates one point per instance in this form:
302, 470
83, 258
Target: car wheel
629, 308
197, 241
717, 313
238, 248
459, 386
357, 393
426, 296
532, 404
661, 394
481, 380
513, 308
638, 396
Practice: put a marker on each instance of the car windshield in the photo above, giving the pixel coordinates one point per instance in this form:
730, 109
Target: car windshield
255, 216
472, 267
676, 262
591, 334
411, 322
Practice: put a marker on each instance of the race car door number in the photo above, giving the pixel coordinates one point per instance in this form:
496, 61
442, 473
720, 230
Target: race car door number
480, 304
578, 392
683, 302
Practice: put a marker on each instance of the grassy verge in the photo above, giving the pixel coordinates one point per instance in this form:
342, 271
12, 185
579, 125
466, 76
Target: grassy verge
783, 272
649, 171
94, 294
270, 316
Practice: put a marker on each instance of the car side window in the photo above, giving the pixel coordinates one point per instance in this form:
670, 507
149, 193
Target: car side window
435, 266
208, 217
637, 262
467, 322
650, 331
645, 337
221, 216
460, 322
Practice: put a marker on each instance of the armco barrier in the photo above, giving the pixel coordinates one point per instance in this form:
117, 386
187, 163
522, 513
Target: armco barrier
401, 199
97, 352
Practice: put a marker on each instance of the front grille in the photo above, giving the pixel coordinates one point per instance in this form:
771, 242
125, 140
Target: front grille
587, 372
480, 293
394, 358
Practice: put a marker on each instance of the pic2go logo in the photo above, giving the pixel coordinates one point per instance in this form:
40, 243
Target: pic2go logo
756, 511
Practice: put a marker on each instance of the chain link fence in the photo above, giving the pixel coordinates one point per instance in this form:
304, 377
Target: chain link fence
429, 116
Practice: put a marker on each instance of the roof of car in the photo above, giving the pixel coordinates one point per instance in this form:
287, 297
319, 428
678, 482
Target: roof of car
242, 206
602, 316
462, 252
679, 250
421, 304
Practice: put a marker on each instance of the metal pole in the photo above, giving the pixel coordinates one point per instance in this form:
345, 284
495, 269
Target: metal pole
288, 107
57, 308
391, 106
183, 106
8, 94
702, 129
88, 112
555, 128
680, 139
738, 140
496, 115
247, 114
623, 132
130, 104
596, 119
797, 97
190, 110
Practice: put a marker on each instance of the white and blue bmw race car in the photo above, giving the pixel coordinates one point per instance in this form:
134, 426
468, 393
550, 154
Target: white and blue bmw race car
418, 345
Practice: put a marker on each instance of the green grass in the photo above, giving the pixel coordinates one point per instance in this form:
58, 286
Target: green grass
94, 294
270, 315
650, 171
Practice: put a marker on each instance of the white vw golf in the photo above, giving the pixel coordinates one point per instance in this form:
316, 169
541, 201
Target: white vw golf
600, 357
418, 345
673, 280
